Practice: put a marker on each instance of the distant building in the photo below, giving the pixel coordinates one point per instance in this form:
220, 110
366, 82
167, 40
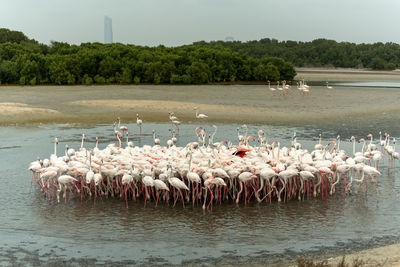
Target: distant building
229, 39
108, 34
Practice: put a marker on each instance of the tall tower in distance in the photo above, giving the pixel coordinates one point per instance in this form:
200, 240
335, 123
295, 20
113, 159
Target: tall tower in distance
108, 34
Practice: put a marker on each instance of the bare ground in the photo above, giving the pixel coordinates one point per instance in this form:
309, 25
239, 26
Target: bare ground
222, 103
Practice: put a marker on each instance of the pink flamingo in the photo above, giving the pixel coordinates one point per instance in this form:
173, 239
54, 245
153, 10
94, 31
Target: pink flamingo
139, 123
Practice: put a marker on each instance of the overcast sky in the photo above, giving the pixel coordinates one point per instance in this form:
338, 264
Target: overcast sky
176, 22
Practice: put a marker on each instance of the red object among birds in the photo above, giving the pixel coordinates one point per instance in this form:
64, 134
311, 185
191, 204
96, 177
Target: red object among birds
241, 152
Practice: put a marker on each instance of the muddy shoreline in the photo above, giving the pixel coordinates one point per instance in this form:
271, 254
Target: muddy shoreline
222, 103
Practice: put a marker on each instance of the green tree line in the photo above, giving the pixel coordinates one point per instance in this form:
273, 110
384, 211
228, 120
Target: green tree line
320, 52
25, 61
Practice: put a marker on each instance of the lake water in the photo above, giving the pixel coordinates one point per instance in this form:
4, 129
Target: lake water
36, 231
368, 84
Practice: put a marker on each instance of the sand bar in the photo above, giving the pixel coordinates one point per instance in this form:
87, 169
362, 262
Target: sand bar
222, 103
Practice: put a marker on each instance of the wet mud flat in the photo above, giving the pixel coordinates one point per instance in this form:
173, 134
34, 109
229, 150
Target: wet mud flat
222, 103
364, 251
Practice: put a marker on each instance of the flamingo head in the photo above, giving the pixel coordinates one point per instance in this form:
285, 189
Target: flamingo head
221, 183
361, 140
369, 136
332, 143
338, 137
56, 140
352, 138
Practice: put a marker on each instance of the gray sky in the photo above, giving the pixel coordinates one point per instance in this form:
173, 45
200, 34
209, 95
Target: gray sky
176, 22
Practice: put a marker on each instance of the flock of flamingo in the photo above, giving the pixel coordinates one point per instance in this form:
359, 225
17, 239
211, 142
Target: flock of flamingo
204, 172
285, 88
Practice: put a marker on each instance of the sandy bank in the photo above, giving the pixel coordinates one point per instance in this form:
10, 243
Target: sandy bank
222, 103
347, 75
388, 256
11, 109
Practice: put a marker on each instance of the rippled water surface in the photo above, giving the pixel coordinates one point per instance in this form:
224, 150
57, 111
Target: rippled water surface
35, 231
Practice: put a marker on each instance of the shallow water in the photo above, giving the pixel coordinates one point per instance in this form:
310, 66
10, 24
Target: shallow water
37, 231
368, 84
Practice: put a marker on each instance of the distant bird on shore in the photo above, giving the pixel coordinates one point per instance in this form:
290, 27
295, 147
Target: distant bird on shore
200, 116
330, 88
280, 89
174, 120
273, 90
172, 116
139, 123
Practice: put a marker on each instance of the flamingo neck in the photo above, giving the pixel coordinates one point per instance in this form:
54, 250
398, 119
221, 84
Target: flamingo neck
213, 134
333, 148
119, 141
272, 151
279, 150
